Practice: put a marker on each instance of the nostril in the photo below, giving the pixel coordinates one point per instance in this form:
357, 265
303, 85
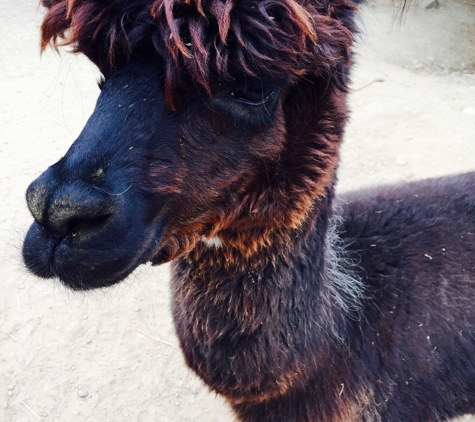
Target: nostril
87, 226
78, 216
70, 209
76, 209
36, 198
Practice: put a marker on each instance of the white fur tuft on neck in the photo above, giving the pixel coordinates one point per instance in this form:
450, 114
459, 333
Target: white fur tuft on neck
214, 241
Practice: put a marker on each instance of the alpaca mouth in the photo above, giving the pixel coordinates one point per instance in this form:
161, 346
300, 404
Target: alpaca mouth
89, 266
38, 251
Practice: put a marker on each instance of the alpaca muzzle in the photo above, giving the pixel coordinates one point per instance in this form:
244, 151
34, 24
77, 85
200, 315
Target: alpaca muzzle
71, 235
72, 209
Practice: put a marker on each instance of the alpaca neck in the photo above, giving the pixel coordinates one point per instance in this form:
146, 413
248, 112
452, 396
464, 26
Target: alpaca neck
247, 327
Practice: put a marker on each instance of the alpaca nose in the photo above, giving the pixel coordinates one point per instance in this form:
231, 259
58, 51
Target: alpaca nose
72, 209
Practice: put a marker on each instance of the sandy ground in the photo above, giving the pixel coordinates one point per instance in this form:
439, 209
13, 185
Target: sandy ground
413, 117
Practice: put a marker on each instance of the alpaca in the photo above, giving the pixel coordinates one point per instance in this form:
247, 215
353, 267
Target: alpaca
214, 144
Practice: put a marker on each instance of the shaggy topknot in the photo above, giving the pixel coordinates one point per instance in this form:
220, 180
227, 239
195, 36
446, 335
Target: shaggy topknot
207, 39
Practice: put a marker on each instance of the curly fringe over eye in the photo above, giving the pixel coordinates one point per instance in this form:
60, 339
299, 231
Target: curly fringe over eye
204, 39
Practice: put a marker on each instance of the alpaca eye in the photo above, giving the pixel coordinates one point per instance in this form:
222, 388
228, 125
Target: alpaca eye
253, 92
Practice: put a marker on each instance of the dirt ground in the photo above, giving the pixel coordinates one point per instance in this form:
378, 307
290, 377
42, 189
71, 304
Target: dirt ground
112, 355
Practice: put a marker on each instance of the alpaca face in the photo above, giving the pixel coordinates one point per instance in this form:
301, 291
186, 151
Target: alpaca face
144, 183
226, 135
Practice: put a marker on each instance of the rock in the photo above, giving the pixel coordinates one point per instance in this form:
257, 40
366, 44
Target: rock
83, 393
469, 110
429, 4
400, 161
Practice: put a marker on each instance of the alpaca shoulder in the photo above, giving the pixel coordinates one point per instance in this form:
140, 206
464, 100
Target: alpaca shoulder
411, 221
413, 246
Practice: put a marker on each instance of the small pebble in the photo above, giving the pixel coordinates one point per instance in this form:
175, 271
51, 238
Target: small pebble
400, 161
430, 4
469, 110
83, 393
136, 309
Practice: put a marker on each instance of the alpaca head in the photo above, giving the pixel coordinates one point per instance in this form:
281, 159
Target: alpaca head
218, 118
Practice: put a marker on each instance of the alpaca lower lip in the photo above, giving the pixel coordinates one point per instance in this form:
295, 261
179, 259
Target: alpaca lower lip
86, 267
38, 252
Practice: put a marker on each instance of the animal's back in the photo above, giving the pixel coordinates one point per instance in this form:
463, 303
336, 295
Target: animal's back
414, 247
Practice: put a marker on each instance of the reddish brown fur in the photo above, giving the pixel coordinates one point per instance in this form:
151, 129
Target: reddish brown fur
216, 39
304, 41
277, 205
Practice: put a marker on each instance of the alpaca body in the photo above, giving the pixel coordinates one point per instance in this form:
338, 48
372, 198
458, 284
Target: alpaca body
414, 248
394, 346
